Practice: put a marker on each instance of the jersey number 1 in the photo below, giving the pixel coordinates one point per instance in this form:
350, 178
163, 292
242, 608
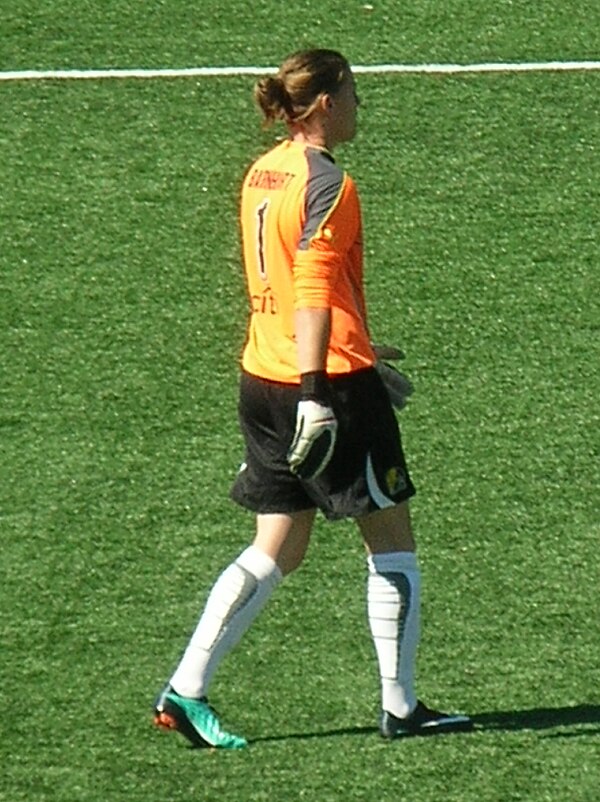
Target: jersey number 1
261, 218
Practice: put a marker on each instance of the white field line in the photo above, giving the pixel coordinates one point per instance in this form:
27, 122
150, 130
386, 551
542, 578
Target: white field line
200, 72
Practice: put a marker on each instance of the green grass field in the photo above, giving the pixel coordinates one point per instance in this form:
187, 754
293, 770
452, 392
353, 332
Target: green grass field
123, 316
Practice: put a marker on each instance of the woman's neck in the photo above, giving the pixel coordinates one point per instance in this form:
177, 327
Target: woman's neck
314, 135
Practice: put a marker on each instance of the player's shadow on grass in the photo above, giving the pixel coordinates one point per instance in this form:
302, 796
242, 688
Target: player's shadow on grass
540, 718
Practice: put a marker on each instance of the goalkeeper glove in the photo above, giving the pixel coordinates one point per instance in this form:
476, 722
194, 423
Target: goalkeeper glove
396, 384
387, 351
316, 428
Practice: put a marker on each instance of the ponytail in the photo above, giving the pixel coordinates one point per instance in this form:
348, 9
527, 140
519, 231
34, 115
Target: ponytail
273, 99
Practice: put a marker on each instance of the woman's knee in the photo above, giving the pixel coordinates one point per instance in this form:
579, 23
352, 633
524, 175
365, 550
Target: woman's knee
285, 537
388, 530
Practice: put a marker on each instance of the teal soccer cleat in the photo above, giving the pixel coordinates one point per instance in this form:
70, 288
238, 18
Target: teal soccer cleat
195, 720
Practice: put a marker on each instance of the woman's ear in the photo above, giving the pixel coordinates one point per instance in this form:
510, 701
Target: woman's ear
326, 103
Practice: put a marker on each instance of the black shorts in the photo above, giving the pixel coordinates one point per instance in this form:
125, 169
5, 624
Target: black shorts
367, 471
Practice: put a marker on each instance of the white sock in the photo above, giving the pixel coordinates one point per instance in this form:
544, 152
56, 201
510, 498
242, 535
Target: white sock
393, 603
235, 600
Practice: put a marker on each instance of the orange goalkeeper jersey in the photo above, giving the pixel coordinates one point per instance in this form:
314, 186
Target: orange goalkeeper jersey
302, 244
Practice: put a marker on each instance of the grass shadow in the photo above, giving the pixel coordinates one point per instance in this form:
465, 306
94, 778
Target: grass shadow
540, 718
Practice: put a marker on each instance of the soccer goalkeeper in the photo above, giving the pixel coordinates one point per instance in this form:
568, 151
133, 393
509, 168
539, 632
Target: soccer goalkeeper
315, 407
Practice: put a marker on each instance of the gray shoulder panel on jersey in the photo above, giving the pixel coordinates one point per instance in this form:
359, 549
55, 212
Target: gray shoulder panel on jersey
324, 183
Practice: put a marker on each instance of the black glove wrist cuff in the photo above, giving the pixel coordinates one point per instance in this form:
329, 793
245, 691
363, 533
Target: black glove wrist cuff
314, 386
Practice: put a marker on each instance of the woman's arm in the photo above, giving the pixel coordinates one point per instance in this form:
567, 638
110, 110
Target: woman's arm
312, 328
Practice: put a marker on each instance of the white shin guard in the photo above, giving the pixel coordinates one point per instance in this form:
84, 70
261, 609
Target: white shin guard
235, 600
393, 595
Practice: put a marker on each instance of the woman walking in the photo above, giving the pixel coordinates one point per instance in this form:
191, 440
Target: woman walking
315, 407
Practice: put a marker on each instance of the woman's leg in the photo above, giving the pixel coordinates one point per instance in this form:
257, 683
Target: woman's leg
393, 603
239, 594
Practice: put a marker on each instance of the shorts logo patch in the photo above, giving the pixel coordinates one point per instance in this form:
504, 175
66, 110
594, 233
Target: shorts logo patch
384, 490
395, 481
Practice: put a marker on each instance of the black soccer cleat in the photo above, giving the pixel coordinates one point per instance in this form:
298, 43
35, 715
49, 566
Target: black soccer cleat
423, 721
